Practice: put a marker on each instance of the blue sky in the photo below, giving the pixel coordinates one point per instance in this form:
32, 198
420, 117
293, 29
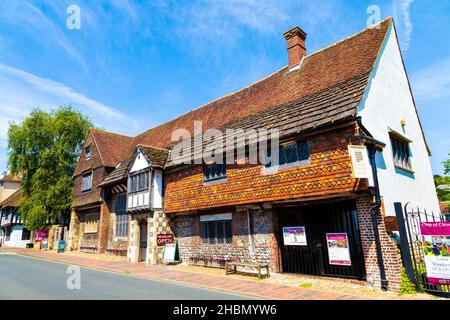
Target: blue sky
135, 64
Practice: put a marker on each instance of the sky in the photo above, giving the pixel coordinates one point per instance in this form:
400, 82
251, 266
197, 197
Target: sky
131, 65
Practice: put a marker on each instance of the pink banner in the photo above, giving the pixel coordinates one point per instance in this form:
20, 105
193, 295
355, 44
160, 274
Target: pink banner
435, 228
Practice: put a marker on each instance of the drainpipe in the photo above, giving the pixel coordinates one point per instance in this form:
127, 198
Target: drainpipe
372, 149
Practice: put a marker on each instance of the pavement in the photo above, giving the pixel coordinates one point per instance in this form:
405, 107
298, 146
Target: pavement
25, 278
221, 285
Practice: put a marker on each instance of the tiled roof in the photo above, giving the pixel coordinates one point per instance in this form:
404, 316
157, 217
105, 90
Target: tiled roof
10, 178
335, 64
12, 200
350, 59
331, 105
156, 156
112, 148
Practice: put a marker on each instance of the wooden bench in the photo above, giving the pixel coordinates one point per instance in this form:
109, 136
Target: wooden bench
257, 266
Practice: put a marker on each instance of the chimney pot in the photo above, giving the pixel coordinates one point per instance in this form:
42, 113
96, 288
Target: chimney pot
295, 39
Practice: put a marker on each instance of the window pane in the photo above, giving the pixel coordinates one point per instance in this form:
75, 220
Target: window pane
228, 232
204, 232
291, 152
282, 156
214, 171
220, 232
303, 150
212, 232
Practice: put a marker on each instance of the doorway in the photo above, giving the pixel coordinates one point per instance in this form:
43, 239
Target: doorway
318, 220
143, 241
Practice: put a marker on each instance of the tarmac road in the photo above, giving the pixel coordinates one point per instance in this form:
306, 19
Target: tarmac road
27, 278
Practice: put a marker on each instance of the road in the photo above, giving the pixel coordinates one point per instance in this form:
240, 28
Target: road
29, 278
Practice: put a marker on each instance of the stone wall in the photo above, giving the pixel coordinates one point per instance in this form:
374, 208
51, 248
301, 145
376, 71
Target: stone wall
258, 247
391, 254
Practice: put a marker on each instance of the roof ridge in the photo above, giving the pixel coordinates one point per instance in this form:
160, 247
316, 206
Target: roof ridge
266, 77
109, 132
153, 147
349, 37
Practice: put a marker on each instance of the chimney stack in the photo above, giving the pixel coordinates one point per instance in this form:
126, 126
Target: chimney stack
295, 39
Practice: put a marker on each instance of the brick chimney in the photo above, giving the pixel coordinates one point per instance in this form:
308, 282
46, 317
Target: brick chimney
295, 39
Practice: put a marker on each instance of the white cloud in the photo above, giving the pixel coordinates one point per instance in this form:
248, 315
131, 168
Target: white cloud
21, 91
433, 81
402, 16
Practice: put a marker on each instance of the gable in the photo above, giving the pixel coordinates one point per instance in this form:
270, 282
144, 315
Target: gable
140, 162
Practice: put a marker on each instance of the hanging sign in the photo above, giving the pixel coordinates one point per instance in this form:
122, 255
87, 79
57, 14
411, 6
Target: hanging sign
163, 238
338, 249
360, 161
294, 236
436, 246
171, 253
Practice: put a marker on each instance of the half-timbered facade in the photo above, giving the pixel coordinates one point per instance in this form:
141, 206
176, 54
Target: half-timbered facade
320, 104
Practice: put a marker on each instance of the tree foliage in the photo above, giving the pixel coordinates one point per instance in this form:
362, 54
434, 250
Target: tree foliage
44, 150
447, 165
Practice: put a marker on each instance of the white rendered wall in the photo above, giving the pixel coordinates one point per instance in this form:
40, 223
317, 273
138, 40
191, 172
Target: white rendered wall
157, 189
140, 162
386, 103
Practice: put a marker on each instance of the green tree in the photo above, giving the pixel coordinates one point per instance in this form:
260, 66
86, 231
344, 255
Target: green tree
44, 150
447, 165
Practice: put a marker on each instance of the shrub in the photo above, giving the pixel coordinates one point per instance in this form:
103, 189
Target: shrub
406, 285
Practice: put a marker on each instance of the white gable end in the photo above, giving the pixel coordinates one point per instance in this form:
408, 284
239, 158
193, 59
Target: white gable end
388, 101
140, 162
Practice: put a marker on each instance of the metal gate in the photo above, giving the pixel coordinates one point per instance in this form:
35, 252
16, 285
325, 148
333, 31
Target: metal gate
319, 220
413, 254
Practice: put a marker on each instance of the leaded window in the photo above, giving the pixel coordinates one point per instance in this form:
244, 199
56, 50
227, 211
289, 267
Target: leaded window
121, 216
139, 182
214, 172
86, 183
216, 232
401, 153
297, 151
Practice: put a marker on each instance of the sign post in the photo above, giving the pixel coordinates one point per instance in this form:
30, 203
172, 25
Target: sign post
436, 246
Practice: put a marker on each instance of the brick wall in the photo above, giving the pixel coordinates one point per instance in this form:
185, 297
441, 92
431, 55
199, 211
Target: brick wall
391, 254
328, 173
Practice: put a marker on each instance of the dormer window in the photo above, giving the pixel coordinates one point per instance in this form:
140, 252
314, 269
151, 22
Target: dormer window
87, 152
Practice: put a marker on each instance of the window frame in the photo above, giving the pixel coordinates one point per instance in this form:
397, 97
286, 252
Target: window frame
122, 219
86, 156
91, 174
136, 176
402, 147
219, 175
283, 155
216, 230
89, 219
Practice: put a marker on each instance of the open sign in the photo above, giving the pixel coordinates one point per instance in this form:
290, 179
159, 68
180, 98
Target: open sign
163, 238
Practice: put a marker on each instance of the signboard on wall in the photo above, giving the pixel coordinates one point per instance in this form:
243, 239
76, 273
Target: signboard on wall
163, 238
294, 236
436, 246
360, 161
338, 249
171, 253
